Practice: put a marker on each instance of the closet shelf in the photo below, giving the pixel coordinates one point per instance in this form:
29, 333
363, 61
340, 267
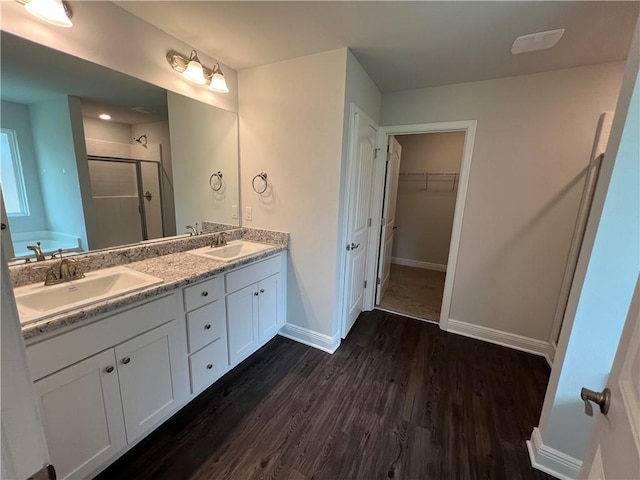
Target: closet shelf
427, 177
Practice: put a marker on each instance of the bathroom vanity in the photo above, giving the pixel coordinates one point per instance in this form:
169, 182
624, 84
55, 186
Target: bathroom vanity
107, 374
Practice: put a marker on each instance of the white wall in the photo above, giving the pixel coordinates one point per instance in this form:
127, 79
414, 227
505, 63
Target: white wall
15, 116
106, 130
64, 178
532, 144
291, 127
204, 140
424, 217
105, 34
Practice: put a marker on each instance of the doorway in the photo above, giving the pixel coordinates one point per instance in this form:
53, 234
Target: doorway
423, 196
423, 188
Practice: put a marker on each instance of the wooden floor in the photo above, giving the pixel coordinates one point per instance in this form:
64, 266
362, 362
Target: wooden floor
400, 399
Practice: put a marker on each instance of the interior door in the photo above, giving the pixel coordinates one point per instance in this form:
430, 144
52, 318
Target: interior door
152, 203
614, 450
388, 217
361, 175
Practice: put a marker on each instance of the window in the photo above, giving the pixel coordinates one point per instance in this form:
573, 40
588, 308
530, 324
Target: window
15, 198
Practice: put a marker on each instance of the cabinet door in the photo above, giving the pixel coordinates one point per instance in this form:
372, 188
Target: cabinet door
82, 415
268, 307
242, 323
144, 368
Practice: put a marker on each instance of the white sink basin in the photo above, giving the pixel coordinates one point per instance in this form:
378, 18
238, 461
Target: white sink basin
36, 302
232, 251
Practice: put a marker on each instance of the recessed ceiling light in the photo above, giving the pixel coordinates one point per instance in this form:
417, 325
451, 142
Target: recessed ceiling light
536, 41
104, 116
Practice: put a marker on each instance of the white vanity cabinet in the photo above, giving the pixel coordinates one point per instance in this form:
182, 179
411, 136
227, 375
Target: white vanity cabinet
206, 332
254, 306
121, 376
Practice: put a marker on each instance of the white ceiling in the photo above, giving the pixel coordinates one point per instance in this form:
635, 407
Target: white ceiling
401, 45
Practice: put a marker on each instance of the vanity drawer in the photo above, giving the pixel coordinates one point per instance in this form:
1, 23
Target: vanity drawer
202, 293
205, 325
246, 276
208, 365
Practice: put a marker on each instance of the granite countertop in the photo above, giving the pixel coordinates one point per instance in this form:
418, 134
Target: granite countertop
176, 270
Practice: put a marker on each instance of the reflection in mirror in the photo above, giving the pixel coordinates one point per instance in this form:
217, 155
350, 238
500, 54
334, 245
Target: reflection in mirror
73, 180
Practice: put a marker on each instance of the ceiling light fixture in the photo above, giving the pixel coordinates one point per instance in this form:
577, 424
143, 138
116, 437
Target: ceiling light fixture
536, 41
55, 12
104, 116
194, 71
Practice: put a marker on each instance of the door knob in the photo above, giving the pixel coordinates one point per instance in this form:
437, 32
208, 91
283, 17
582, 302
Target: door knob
353, 246
148, 195
602, 399
126, 360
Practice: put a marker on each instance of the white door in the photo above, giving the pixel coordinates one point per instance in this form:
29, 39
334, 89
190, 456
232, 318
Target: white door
24, 449
82, 415
389, 217
614, 450
147, 388
364, 133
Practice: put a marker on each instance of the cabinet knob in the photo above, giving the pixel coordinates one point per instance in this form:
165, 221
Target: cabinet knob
205, 293
209, 366
109, 369
256, 293
126, 360
262, 290
207, 326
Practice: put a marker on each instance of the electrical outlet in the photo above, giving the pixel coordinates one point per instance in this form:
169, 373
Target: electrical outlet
234, 211
248, 215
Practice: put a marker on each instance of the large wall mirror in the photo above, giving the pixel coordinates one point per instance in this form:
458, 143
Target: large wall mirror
74, 179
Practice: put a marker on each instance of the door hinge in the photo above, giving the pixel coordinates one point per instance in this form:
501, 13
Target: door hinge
388, 157
378, 281
369, 223
365, 284
375, 152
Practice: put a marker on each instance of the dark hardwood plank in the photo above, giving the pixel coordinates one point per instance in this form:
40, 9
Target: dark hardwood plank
400, 399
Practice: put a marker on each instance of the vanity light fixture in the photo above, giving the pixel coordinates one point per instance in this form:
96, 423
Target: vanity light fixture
55, 12
104, 116
194, 71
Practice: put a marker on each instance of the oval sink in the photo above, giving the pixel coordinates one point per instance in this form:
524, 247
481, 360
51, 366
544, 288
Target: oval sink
232, 251
36, 302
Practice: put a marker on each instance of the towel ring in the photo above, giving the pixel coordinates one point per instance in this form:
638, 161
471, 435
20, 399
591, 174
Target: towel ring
216, 185
263, 176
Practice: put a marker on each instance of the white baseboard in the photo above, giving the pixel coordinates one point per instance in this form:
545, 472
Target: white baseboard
417, 263
550, 460
309, 337
506, 339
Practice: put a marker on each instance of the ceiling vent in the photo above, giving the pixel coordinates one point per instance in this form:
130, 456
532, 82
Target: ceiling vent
536, 41
144, 110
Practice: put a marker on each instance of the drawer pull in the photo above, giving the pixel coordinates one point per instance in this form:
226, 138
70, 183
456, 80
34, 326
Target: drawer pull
109, 369
262, 290
205, 293
207, 326
126, 360
209, 366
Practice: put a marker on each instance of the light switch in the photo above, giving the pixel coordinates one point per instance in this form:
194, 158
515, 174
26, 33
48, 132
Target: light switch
248, 215
234, 211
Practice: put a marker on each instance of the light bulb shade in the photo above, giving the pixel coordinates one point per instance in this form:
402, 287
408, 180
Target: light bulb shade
218, 83
50, 11
194, 72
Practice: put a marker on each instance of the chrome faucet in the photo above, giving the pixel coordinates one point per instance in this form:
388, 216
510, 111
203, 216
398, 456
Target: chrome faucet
36, 249
193, 230
219, 240
64, 271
